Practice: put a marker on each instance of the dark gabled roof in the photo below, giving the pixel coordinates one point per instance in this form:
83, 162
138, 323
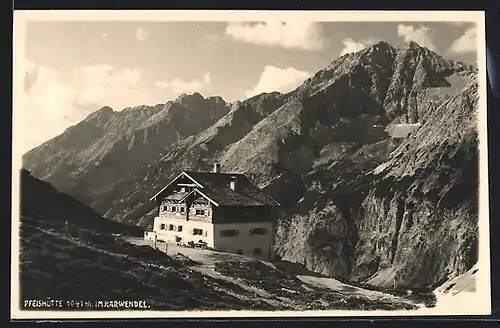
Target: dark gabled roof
216, 186
177, 196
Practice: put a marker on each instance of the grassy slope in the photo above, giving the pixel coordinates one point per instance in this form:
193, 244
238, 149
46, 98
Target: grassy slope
41, 200
72, 263
69, 264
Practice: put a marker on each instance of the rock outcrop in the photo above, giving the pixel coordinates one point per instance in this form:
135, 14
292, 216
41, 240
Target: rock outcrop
410, 221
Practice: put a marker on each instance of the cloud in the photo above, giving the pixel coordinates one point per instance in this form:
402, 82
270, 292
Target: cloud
48, 108
177, 86
100, 85
30, 75
52, 103
466, 43
212, 37
207, 78
142, 34
422, 35
278, 79
351, 45
289, 35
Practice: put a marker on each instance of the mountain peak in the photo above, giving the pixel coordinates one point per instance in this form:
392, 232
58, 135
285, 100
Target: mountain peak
382, 45
103, 111
189, 96
412, 46
378, 49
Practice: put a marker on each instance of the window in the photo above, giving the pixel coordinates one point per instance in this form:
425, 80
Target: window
200, 212
257, 252
248, 212
170, 227
182, 209
162, 226
197, 231
165, 208
257, 231
179, 228
229, 233
174, 209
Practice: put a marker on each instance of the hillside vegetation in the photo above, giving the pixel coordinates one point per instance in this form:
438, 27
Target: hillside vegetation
69, 263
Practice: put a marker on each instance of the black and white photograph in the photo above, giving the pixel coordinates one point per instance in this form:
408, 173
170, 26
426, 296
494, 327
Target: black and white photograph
249, 164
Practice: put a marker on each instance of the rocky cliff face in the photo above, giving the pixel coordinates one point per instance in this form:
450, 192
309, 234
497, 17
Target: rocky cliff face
410, 221
356, 203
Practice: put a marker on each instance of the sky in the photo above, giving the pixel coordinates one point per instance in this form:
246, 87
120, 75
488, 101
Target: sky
73, 68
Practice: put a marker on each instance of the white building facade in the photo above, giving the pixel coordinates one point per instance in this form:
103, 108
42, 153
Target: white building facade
224, 211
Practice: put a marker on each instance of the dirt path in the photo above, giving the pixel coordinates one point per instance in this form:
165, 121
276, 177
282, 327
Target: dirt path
276, 295
207, 260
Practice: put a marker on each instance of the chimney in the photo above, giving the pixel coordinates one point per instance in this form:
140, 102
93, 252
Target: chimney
233, 184
216, 168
